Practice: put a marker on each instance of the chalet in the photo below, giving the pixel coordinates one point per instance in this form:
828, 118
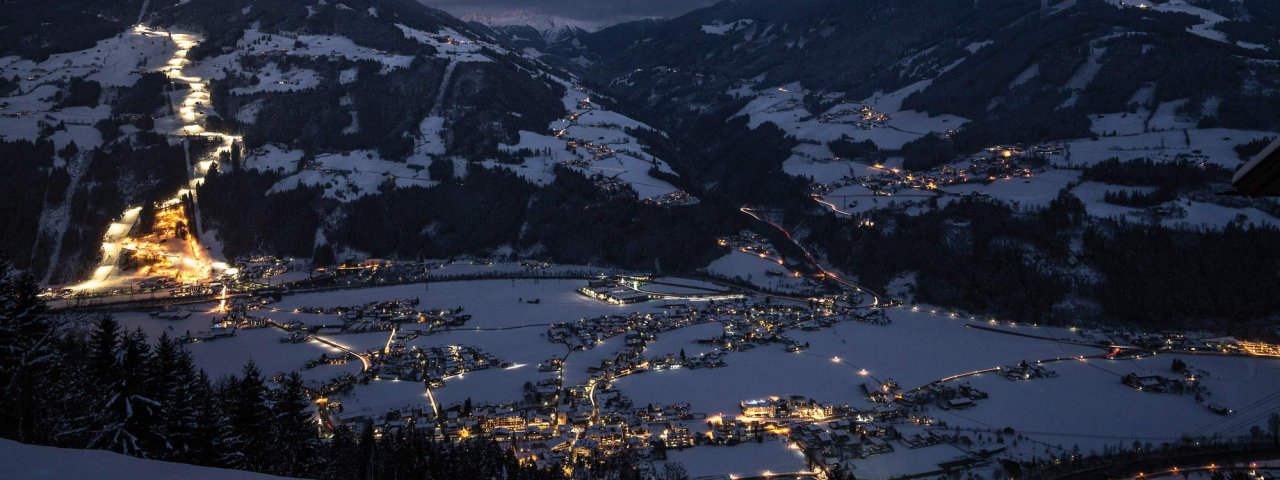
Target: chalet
1149, 383
875, 393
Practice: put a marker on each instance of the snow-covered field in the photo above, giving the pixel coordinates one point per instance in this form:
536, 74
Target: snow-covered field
1088, 406
351, 175
1165, 117
757, 271
784, 106
1214, 145
255, 42
918, 460
604, 146
684, 339
1209, 146
1208, 18
228, 356
32, 462
491, 303
1194, 214
1032, 192
1085, 405
594, 141
918, 348
743, 460
722, 29
274, 80
449, 44
118, 61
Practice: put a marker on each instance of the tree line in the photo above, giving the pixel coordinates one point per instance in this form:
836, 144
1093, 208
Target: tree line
95, 384
983, 256
488, 210
971, 255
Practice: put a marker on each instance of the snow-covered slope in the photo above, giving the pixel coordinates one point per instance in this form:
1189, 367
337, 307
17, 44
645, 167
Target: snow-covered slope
552, 28
31, 462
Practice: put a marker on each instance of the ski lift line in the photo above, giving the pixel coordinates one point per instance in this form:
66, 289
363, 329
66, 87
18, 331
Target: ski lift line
1092, 365
1255, 404
1238, 423
1247, 408
1246, 421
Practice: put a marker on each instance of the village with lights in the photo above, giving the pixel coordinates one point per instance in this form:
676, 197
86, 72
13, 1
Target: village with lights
757, 370
572, 369
771, 348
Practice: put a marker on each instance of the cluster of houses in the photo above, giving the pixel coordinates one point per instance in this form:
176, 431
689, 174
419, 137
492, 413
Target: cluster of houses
999, 163
1154, 383
597, 150
373, 316
1174, 340
793, 406
375, 271
548, 436
341, 358
538, 435
732, 431
748, 325
835, 444
430, 365
614, 187
1178, 341
386, 311
745, 325
323, 392
750, 242
371, 272
215, 332
639, 327
942, 395
557, 425
864, 117
236, 318
266, 267
881, 392
845, 434
1187, 384
678, 198
1026, 371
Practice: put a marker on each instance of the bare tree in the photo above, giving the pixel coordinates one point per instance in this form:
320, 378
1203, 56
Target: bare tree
674, 471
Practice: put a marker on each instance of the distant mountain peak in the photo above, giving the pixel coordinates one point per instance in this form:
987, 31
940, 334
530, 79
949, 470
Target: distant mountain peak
553, 28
